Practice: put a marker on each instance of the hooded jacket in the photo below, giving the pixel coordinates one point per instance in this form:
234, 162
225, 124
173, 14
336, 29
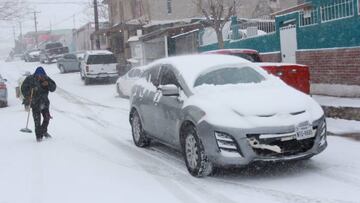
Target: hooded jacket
40, 98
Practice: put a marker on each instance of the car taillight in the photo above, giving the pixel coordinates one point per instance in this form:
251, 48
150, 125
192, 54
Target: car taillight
2, 86
87, 68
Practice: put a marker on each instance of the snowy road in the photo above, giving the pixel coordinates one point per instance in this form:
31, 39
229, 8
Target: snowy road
92, 158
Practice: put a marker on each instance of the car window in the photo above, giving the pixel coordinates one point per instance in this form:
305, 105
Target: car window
230, 75
131, 73
71, 56
153, 75
101, 59
137, 73
53, 45
168, 77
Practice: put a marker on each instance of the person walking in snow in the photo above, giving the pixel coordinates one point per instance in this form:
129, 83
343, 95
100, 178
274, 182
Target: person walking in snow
36, 88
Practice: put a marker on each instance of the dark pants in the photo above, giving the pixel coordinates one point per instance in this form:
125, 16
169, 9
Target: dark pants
41, 128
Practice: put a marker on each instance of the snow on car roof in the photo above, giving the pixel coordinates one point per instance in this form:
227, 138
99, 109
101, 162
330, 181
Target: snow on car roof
191, 66
99, 52
278, 64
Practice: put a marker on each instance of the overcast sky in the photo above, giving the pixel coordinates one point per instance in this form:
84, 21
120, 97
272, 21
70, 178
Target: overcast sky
59, 13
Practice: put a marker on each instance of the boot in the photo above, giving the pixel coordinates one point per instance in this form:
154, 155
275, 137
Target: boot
38, 139
47, 135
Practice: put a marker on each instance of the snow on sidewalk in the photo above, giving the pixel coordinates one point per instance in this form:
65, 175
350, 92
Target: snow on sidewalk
337, 101
341, 126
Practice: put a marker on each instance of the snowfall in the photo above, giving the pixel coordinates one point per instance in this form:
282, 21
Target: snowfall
91, 158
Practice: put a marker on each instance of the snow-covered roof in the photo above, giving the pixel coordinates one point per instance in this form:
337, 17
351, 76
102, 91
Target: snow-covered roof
133, 39
98, 52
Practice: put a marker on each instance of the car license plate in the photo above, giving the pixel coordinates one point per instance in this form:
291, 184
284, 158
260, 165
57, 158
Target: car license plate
303, 131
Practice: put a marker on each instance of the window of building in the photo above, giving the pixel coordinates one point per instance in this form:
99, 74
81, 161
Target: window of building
169, 6
308, 17
337, 9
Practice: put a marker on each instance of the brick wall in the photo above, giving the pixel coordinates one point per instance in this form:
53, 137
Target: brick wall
271, 57
332, 66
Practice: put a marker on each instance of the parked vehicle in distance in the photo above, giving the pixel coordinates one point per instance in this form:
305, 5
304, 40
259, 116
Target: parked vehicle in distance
224, 111
32, 56
69, 63
98, 65
295, 75
3, 92
126, 82
52, 51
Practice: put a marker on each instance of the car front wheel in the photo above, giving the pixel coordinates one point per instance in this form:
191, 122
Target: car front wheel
62, 70
139, 136
194, 154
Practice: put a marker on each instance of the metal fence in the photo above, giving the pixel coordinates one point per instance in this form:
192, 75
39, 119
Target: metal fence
308, 17
267, 26
337, 10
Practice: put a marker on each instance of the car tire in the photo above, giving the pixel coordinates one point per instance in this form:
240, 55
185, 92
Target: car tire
194, 154
62, 70
87, 81
121, 94
138, 133
81, 75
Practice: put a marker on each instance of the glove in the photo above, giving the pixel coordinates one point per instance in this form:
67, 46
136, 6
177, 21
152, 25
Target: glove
45, 83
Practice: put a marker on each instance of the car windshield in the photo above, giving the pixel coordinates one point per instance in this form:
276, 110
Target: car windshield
249, 57
230, 75
53, 45
101, 59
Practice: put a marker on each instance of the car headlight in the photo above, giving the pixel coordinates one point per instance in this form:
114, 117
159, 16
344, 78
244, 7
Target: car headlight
227, 145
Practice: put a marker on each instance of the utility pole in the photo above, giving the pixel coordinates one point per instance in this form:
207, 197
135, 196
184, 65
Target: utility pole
36, 34
14, 37
21, 38
96, 15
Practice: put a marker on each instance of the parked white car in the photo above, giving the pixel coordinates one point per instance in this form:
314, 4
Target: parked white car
98, 65
125, 83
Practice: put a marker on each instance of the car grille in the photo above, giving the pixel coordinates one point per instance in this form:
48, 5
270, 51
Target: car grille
287, 144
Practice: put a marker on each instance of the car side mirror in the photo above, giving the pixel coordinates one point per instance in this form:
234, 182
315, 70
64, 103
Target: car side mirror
169, 90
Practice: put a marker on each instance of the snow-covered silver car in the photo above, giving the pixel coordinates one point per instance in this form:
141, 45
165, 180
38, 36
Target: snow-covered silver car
3, 92
224, 111
125, 83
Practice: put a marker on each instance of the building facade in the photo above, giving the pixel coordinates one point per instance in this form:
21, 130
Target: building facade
323, 34
128, 16
84, 36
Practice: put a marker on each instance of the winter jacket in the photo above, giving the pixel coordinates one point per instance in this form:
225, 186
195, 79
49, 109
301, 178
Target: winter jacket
40, 98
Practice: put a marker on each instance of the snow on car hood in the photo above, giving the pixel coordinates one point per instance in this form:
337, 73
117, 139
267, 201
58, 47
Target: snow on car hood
270, 103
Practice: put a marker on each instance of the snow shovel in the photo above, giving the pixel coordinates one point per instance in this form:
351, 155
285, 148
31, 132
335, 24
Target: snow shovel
26, 129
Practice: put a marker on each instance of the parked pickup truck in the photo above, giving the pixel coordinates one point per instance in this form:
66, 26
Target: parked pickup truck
98, 65
52, 51
295, 75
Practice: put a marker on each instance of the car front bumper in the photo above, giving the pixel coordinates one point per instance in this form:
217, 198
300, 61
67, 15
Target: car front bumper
245, 152
102, 75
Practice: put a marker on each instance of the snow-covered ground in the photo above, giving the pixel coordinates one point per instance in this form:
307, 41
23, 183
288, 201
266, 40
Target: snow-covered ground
340, 126
337, 101
91, 158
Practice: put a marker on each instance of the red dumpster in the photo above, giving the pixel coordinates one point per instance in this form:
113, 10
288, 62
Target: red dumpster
295, 75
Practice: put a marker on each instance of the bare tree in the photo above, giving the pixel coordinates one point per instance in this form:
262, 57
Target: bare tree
12, 9
102, 9
217, 13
